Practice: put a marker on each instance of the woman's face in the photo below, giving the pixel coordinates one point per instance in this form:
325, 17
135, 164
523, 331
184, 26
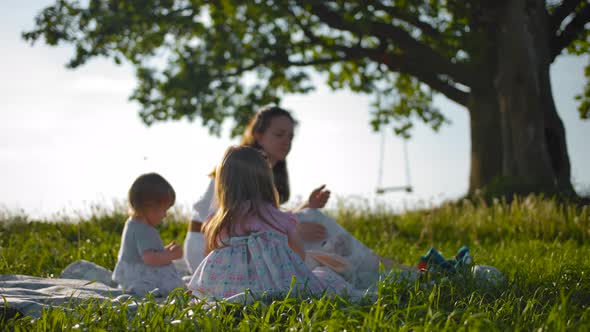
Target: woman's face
276, 139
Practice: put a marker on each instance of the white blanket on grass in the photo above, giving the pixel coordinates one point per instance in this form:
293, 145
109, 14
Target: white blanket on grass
29, 295
80, 281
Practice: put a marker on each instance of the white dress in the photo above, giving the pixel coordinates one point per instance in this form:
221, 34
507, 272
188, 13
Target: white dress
132, 274
194, 244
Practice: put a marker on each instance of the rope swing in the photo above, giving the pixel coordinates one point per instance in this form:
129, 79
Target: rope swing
407, 187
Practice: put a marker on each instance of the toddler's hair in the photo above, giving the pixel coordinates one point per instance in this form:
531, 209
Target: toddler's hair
149, 190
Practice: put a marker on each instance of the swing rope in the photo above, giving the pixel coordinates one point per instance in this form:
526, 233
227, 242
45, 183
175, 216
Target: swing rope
407, 187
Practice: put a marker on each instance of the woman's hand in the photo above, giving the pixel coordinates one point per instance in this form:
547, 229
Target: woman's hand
318, 198
311, 231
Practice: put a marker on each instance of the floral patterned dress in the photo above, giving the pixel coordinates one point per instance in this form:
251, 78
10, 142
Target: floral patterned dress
260, 260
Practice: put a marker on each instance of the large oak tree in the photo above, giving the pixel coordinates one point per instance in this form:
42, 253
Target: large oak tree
223, 59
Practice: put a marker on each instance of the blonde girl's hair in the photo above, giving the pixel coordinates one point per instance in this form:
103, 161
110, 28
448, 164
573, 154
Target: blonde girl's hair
147, 190
243, 175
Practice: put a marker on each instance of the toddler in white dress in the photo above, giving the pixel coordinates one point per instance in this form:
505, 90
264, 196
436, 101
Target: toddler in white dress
144, 264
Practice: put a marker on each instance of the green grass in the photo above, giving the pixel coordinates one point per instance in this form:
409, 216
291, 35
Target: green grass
542, 248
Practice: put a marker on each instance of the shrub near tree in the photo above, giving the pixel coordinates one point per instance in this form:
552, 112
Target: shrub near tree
224, 59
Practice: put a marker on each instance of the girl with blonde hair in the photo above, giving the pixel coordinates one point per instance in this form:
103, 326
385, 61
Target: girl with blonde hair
271, 131
251, 244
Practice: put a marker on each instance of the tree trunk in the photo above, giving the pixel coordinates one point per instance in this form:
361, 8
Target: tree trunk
556, 144
486, 144
554, 129
518, 139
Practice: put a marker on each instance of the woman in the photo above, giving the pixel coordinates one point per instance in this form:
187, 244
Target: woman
271, 130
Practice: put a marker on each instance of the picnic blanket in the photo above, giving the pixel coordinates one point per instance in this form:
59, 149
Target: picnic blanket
79, 282
82, 281
28, 295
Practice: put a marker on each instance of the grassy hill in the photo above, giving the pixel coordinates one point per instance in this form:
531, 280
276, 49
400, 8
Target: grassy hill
542, 247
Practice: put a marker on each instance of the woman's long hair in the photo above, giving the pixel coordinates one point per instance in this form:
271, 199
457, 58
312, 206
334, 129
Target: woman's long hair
258, 124
243, 176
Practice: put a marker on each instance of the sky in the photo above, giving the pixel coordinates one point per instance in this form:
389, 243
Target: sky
70, 140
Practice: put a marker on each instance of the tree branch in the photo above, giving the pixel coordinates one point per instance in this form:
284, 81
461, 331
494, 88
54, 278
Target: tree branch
323, 61
426, 28
566, 8
571, 32
388, 32
425, 73
407, 65
266, 59
395, 62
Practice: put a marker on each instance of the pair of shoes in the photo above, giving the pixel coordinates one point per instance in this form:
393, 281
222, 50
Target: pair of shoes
433, 261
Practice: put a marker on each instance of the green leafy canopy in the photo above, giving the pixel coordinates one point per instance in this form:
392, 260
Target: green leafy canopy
223, 59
